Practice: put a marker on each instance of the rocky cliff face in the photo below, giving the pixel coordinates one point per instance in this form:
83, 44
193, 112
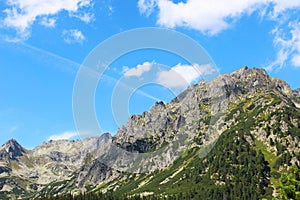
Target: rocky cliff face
296, 93
11, 150
150, 143
200, 110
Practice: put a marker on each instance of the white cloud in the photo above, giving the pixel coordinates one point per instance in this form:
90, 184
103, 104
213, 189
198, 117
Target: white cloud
214, 16
48, 22
73, 36
84, 2
288, 44
21, 14
138, 70
180, 76
281, 6
85, 17
63, 136
147, 6
210, 17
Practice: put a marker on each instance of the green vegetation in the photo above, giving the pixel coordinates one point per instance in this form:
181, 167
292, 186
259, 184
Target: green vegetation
289, 187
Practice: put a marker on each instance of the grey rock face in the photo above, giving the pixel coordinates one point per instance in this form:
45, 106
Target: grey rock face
169, 128
11, 150
164, 119
93, 173
296, 93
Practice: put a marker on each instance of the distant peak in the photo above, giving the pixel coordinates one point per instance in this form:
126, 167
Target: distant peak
12, 149
11, 142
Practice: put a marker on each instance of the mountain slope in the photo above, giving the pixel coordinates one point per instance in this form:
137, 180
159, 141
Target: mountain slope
230, 138
261, 141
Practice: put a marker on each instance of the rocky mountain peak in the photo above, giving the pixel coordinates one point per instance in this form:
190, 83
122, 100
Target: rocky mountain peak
164, 119
252, 80
11, 149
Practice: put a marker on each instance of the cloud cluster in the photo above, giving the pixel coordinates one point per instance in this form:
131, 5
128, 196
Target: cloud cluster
288, 44
20, 15
73, 36
63, 136
210, 17
138, 70
179, 76
48, 22
215, 16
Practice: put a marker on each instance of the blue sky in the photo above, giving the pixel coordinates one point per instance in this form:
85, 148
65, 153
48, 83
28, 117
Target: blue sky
42, 46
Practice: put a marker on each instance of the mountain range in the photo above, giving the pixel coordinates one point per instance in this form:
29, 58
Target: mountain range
235, 137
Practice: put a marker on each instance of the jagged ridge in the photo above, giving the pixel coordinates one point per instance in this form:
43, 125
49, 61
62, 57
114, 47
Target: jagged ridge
228, 104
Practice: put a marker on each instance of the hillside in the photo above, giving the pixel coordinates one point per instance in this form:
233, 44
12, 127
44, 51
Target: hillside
231, 138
